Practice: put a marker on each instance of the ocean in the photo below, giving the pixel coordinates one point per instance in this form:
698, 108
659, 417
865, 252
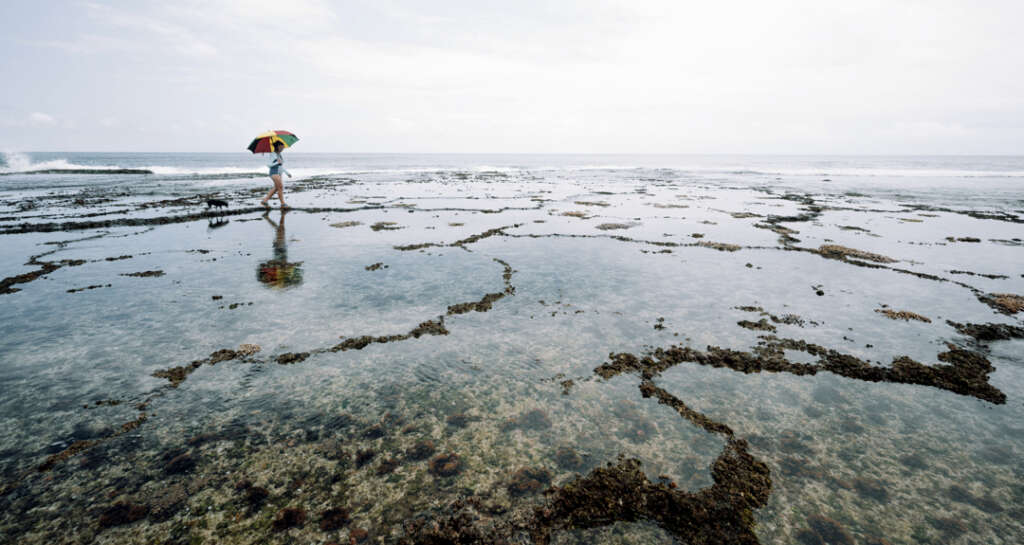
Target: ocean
511, 348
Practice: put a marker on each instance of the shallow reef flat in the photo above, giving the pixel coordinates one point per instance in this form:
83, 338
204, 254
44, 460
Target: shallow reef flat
607, 356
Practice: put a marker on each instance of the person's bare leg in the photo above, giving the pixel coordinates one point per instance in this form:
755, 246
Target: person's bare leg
279, 187
272, 191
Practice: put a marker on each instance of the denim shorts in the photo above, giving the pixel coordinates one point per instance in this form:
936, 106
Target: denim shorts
276, 169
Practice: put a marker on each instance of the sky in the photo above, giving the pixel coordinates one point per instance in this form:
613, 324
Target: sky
481, 76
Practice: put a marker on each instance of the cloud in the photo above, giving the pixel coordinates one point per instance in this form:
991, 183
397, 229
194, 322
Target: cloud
151, 29
39, 119
578, 75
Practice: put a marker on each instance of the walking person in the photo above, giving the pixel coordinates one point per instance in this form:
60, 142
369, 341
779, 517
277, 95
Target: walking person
276, 168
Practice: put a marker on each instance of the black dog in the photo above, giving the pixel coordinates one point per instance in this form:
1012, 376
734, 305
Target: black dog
216, 202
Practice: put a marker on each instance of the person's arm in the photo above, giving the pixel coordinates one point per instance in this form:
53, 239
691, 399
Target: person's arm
281, 159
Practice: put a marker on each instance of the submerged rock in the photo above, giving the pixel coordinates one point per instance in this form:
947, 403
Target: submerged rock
458, 420
289, 517
422, 450
164, 503
387, 466
829, 531
375, 431
950, 527
871, 488
534, 419
528, 480
333, 519
122, 513
445, 465
567, 458
181, 463
363, 457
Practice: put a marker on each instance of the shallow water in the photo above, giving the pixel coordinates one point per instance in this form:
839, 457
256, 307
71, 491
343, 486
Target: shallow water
528, 277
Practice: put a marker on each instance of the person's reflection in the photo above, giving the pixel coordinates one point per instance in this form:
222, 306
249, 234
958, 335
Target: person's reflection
278, 272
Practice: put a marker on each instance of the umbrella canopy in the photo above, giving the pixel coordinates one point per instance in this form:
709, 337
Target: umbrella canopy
264, 143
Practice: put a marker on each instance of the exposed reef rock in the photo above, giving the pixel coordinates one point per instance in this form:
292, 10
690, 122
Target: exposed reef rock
430, 327
6, 285
760, 325
842, 253
718, 515
145, 274
1007, 303
720, 246
966, 374
905, 315
460, 243
177, 375
291, 357
611, 226
385, 226
989, 332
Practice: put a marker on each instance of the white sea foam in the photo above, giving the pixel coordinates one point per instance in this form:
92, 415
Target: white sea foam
199, 171
20, 162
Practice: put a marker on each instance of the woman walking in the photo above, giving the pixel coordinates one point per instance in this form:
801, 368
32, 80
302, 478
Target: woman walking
276, 167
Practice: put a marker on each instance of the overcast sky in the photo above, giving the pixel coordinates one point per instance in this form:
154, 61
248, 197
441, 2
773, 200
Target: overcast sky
800, 77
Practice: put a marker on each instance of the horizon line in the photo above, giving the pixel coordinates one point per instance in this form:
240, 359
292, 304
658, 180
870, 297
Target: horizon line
652, 154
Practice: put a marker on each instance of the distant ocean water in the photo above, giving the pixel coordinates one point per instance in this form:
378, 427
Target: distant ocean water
172, 164
995, 182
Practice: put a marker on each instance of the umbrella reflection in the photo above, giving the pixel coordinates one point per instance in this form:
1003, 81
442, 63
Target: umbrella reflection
278, 272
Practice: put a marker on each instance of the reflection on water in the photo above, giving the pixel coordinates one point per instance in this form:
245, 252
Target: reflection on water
279, 272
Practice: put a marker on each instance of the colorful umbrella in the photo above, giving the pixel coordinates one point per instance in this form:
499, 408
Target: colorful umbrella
264, 143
